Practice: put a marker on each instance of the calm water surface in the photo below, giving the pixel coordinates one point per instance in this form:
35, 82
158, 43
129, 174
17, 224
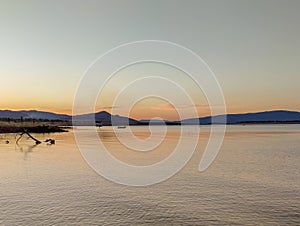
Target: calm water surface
254, 180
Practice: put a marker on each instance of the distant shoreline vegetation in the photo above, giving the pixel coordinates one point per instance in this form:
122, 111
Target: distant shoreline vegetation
31, 129
10, 125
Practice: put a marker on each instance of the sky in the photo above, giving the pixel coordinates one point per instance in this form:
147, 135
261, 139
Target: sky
253, 48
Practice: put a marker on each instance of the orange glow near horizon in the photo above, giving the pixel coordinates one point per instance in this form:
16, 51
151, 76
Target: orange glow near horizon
145, 109
33, 94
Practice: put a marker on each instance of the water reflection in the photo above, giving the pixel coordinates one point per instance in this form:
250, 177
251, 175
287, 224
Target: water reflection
25, 145
254, 180
25, 149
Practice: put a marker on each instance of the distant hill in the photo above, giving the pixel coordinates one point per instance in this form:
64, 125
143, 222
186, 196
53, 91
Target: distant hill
102, 117
259, 117
106, 118
33, 114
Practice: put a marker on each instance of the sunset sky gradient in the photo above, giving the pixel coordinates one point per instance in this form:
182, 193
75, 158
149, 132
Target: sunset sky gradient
253, 47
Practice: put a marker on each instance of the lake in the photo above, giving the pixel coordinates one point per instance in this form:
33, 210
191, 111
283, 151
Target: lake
255, 179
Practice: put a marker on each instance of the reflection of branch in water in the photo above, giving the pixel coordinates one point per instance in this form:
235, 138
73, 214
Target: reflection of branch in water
30, 148
27, 150
49, 141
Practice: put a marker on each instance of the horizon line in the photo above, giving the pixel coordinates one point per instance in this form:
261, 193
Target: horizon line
44, 111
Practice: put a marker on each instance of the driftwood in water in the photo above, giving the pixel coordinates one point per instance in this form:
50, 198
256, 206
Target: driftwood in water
49, 141
28, 134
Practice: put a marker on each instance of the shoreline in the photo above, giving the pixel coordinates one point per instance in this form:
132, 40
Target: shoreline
32, 129
18, 128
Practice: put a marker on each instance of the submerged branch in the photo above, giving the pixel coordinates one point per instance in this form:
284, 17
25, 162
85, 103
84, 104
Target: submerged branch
30, 136
49, 141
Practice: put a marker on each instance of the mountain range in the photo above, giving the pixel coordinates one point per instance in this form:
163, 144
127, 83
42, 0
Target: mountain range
33, 114
104, 117
278, 116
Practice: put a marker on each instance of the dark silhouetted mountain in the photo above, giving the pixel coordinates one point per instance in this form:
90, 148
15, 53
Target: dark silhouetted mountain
259, 117
105, 118
102, 116
33, 114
